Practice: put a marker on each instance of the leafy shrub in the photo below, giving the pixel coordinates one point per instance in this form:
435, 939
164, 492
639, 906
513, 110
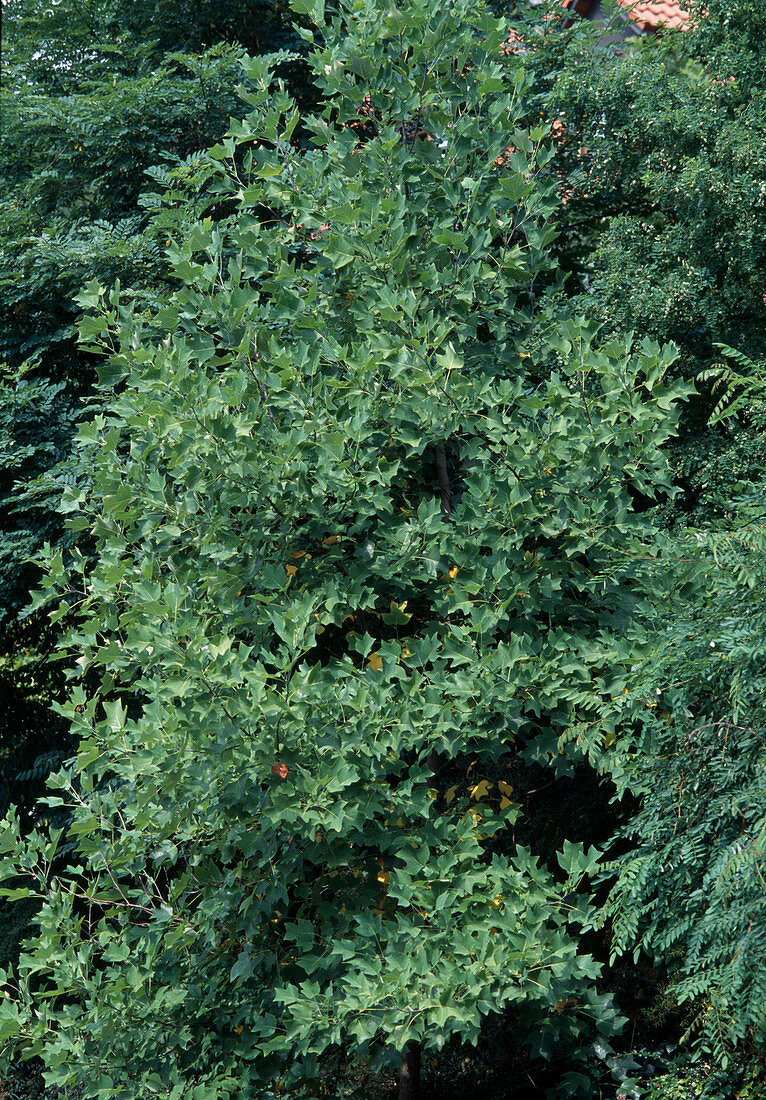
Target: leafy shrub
351, 531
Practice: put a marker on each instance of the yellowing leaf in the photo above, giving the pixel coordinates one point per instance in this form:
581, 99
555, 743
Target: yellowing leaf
396, 615
449, 794
453, 572
406, 652
330, 540
505, 788
291, 570
481, 790
505, 803
375, 661
383, 878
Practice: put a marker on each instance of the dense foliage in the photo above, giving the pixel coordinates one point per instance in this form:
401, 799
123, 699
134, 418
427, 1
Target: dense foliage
663, 168
662, 154
94, 99
338, 509
692, 883
377, 583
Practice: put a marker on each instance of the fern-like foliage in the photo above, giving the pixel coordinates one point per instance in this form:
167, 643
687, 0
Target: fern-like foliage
738, 383
695, 875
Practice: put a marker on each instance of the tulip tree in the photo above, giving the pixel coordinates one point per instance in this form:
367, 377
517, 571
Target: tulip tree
363, 532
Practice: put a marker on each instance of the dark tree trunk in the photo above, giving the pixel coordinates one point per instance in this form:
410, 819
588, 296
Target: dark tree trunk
444, 485
409, 1074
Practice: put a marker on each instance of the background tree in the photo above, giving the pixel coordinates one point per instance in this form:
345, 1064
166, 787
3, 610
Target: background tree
95, 97
690, 888
661, 154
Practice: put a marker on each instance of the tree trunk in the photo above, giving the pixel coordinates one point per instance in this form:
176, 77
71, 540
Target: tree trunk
409, 1074
444, 485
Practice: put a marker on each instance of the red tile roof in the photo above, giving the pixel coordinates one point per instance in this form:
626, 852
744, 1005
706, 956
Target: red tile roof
652, 15
647, 15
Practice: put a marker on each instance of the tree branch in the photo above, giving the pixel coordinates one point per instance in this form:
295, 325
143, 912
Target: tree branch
444, 485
